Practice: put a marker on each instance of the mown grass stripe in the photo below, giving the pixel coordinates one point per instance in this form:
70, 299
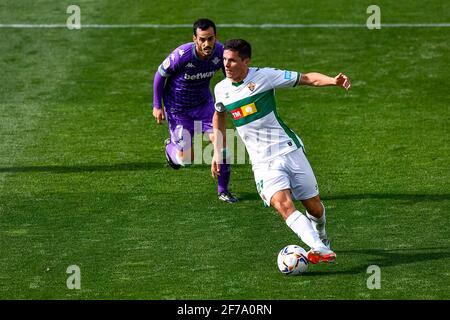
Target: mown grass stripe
227, 25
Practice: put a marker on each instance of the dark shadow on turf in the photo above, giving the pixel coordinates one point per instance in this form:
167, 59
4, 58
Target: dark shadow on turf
390, 196
387, 258
130, 166
246, 196
374, 196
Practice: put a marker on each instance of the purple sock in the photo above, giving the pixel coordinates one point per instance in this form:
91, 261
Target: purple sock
171, 150
224, 178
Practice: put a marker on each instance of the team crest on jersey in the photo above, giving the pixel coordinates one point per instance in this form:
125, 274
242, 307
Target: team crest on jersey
244, 111
216, 60
166, 63
251, 86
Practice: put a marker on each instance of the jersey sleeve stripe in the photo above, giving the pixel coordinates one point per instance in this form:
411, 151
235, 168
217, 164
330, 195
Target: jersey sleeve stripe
162, 72
298, 79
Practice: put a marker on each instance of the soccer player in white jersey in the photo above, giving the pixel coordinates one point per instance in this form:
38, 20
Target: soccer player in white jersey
281, 169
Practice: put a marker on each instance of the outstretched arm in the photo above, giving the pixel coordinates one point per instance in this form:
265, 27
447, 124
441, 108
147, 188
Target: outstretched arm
320, 80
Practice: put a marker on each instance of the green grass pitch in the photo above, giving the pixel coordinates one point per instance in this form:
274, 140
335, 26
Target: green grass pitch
83, 179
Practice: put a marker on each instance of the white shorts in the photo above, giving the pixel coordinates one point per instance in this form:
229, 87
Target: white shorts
290, 171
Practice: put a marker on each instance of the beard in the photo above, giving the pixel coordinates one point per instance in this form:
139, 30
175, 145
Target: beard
205, 51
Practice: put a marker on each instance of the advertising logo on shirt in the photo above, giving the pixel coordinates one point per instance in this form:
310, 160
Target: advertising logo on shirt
244, 111
288, 75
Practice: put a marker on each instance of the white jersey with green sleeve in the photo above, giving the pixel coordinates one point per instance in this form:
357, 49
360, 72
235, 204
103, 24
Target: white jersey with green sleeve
252, 106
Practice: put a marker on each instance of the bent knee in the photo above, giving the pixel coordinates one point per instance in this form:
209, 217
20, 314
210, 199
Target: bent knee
316, 210
285, 208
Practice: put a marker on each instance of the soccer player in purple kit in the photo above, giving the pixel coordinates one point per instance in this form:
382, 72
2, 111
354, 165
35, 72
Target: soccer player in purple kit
181, 94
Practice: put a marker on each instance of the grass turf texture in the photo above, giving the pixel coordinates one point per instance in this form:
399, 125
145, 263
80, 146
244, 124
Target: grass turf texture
83, 178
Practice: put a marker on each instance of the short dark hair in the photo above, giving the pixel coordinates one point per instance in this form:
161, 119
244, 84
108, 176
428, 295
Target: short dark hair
242, 47
203, 24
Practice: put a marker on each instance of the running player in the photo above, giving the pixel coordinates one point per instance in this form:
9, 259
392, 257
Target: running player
282, 171
181, 94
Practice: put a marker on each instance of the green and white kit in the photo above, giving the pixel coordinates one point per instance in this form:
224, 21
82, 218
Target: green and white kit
276, 152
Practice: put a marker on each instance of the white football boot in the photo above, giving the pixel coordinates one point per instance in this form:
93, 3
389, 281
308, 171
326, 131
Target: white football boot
321, 254
327, 243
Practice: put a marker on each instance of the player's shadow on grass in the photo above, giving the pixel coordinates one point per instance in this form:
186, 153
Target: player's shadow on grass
374, 196
247, 196
385, 258
390, 196
129, 166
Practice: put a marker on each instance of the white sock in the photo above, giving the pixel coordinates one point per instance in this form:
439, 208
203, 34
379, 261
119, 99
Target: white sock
319, 223
302, 226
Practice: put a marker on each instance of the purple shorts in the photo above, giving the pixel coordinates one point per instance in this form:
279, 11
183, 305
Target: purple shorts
183, 124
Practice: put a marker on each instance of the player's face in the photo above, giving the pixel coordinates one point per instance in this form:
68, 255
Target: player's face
205, 41
235, 68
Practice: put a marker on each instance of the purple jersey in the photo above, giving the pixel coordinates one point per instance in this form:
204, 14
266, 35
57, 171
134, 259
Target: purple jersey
188, 77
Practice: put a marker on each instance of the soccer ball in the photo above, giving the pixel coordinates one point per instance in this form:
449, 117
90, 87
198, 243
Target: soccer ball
292, 260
